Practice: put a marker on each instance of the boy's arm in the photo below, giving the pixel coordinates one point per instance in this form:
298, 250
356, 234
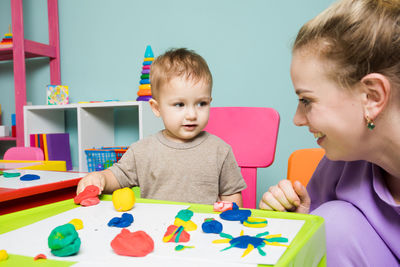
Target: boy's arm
237, 198
104, 180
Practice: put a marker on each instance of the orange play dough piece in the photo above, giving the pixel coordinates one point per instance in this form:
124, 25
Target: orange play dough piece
135, 244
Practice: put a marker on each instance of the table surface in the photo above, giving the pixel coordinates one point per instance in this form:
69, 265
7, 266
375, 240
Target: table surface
307, 249
31, 188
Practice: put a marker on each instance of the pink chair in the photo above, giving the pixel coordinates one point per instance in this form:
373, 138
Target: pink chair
23, 153
252, 133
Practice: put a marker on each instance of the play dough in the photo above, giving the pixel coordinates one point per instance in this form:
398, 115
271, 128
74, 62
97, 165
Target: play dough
125, 220
29, 177
39, 257
176, 234
89, 196
77, 223
3, 255
11, 174
211, 226
223, 206
136, 244
255, 222
123, 199
64, 240
235, 214
183, 219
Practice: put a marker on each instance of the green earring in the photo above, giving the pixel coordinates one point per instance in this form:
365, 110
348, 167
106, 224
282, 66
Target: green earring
370, 124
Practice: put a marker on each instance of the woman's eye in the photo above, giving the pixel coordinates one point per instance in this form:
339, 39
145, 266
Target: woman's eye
304, 101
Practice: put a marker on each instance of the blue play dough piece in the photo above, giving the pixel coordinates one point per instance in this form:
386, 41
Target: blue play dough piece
212, 227
29, 177
125, 220
244, 240
235, 214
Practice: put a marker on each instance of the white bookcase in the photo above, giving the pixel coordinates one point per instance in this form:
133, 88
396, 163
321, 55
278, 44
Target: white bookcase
95, 123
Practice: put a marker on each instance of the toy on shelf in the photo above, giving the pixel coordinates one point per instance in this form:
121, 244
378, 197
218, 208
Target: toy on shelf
104, 157
57, 95
7, 41
13, 125
144, 93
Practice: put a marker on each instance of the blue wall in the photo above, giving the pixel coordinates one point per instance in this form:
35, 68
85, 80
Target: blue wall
247, 45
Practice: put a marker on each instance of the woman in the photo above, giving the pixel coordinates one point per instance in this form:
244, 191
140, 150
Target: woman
346, 72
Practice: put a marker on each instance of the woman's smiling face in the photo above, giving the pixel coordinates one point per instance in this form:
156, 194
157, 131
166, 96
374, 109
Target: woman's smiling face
333, 114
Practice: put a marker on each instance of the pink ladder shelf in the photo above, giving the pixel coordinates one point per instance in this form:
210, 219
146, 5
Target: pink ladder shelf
22, 49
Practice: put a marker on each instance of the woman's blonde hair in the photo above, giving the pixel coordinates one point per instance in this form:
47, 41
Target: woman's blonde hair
179, 62
358, 36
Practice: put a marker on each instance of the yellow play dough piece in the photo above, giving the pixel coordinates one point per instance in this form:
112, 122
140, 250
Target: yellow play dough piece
3, 255
255, 222
77, 223
188, 226
123, 199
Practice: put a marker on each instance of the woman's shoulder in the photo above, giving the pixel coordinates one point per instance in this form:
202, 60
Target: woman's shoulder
338, 166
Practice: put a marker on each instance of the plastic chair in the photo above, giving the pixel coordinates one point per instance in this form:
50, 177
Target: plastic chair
252, 133
302, 164
24, 153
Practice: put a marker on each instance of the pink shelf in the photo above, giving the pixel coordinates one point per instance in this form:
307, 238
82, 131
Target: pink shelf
8, 138
22, 49
32, 49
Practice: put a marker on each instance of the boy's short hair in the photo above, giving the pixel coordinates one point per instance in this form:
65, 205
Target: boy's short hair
178, 62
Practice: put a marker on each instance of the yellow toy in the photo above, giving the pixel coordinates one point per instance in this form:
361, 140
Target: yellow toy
123, 199
3, 255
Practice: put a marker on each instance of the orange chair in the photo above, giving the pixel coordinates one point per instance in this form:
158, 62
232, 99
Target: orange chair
24, 153
302, 164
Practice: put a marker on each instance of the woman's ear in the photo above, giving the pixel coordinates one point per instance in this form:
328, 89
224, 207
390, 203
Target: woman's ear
376, 94
154, 107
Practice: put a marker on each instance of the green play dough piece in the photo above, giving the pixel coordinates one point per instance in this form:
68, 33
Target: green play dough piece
64, 240
11, 174
184, 215
1, 172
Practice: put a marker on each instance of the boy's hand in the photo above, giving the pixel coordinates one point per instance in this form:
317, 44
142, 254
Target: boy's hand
286, 197
95, 178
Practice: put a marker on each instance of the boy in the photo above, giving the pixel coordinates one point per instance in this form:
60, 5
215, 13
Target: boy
182, 162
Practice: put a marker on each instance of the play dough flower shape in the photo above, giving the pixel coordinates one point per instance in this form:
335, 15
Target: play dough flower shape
64, 240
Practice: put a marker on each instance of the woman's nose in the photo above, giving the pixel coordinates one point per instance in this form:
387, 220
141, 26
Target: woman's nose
299, 118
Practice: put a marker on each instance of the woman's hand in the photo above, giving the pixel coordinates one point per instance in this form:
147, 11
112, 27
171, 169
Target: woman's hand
286, 197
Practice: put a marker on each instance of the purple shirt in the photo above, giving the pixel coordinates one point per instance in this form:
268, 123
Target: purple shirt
360, 183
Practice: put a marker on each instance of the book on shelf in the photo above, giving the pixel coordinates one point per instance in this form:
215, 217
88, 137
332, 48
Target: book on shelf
55, 146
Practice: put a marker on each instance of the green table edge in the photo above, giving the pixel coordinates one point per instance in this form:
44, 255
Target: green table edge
305, 249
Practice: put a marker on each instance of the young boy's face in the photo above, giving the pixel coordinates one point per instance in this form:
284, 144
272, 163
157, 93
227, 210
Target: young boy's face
184, 107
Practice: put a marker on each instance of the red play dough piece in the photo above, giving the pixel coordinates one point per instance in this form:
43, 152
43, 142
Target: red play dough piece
40, 256
184, 237
90, 201
135, 244
90, 191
